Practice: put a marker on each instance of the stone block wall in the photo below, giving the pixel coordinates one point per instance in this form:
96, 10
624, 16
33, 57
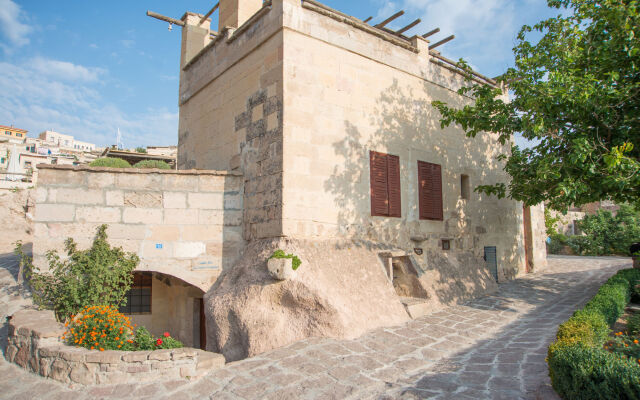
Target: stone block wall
186, 224
34, 344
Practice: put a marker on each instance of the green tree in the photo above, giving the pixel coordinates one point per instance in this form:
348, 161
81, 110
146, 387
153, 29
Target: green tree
141, 150
576, 93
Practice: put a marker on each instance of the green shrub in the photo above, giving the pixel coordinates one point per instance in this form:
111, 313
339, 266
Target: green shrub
579, 366
146, 341
633, 324
608, 234
557, 241
152, 164
295, 262
582, 372
110, 162
99, 276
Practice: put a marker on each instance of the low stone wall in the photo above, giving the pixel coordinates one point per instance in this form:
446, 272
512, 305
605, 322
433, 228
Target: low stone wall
34, 344
186, 224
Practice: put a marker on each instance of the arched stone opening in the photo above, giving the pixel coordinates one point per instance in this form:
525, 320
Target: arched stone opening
164, 303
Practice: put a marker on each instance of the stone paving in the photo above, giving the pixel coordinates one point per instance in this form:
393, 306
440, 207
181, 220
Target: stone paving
492, 348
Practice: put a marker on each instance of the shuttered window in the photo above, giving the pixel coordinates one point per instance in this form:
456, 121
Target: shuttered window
430, 190
385, 185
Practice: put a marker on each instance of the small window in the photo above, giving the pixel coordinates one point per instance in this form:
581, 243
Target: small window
465, 187
446, 244
27, 164
139, 296
7, 133
2, 160
19, 134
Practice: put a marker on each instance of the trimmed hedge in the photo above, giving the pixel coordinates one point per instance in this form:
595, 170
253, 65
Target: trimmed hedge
110, 162
579, 366
152, 164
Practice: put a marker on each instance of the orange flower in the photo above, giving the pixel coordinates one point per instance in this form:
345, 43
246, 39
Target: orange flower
101, 349
91, 347
635, 341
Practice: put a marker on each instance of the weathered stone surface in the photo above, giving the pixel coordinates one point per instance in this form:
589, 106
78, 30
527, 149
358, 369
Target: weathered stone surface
83, 374
136, 356
280, 268
160, 355
249, 312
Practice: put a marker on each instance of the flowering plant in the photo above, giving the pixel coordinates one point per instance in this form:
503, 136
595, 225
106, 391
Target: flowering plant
146, 341
627, 346
99, 328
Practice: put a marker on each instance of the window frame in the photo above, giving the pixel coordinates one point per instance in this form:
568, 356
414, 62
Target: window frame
139, 282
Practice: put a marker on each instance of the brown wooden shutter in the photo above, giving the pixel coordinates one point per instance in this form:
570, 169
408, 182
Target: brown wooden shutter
430, 190
393, 185
379, 192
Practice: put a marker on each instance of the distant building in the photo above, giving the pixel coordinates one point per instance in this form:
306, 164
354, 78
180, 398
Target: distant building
13, 133
170, 151
65, 141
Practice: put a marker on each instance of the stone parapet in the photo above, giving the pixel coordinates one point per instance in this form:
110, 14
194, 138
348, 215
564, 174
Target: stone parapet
186, 224
34, 344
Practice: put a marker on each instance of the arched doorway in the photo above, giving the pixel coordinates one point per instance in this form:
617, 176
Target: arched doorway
163, 303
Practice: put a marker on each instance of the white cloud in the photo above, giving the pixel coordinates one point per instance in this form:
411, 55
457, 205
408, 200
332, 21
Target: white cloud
68, 99
127, 43
65, 70
12, 28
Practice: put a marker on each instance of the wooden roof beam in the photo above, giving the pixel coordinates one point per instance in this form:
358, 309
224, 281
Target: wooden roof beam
443, 41
406, 28
209, 13
166, 19
433, 32
391, 18
367, 20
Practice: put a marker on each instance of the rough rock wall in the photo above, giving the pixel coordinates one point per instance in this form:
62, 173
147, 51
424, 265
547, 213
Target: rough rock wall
15, 217
340, 291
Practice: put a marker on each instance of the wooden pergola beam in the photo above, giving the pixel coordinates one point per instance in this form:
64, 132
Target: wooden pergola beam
166, 19
367, 20
433, 32
209, 13
391, 18
406, 28
443, 41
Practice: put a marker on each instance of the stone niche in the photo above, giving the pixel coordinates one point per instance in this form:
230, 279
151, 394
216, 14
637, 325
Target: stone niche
34, 344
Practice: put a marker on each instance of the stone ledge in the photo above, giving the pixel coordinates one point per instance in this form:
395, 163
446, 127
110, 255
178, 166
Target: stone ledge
139, 170
34, 344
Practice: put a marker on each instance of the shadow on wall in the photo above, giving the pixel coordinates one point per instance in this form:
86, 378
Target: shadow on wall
405, 124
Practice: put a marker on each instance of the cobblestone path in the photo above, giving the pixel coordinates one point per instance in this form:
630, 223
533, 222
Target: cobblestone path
492, 348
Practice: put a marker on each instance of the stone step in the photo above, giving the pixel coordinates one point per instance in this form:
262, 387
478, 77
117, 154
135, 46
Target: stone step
415, 306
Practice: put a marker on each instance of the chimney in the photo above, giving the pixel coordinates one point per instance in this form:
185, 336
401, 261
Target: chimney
195, 36
234, 13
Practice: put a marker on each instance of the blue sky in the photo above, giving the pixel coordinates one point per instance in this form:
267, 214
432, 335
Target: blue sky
87, 68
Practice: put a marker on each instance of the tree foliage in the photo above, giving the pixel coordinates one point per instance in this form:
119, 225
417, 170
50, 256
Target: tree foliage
606, 234
99, 276
576, 93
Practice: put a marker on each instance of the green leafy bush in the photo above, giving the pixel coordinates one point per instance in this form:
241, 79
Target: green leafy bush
101, 275
110, 162
579, 365
633, 324
584, 372
606, 234
146, 341
295, 262
152, 164
557, 242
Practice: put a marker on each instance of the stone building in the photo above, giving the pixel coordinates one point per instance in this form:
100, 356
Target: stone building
320, 128
329, 120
